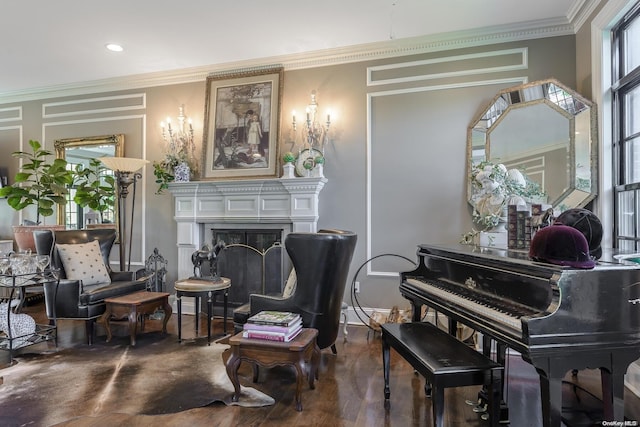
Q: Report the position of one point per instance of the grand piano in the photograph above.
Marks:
(559, 319)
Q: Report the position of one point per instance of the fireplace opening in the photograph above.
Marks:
(254, 260)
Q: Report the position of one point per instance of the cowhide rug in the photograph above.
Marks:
(157, 376)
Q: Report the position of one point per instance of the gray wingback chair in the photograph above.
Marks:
(71, 299)
(322, 262)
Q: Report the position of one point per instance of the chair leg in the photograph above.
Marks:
(344, 309)
(89, 330)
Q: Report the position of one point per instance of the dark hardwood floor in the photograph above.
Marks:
(349, 391)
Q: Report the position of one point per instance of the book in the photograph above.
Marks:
(273, 328)
(272, 336)
(275, 318)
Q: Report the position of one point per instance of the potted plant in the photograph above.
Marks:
(95, 188)
(39, 183)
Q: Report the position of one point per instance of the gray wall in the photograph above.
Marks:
(395, 165)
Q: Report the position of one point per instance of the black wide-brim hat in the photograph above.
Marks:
(588, 224)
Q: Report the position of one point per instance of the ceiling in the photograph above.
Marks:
(55, 43)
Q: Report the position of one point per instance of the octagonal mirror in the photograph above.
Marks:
(545, 130)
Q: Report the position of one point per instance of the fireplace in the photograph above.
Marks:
(283, 204)
(254, 260)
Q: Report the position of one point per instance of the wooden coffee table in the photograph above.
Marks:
(301, 352)
(133, 305)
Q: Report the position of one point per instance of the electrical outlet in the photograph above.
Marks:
(357, 287)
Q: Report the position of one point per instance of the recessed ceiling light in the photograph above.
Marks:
(114, 47)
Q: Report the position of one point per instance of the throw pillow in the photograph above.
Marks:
(83, 261)
(290, 286)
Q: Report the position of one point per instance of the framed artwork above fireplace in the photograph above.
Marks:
(242, 111)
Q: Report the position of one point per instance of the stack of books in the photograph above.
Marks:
(273, 326)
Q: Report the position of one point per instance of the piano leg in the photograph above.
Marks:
(453, 327)
(484, 394)
(551, 395)
(612, 395)
(416, 315)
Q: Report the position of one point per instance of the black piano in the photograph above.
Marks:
(559, 319)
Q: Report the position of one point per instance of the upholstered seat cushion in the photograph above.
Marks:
(94, 294)
(201, 285)
(242, 313)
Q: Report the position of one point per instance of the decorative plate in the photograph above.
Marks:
(306, 161)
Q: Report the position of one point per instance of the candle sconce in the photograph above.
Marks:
(315, 136)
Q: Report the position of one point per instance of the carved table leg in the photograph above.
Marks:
(167, 314)
(133, 325)
(299, 381)
(233, 363)
(105, 320)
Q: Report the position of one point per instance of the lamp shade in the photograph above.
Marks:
(123, 164)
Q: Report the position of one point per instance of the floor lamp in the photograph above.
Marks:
(126, 172)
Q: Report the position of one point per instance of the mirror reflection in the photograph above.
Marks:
(545, 130)
(82, 151)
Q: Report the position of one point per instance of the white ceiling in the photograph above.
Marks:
(48, 43)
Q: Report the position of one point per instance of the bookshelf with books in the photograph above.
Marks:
(273, 326)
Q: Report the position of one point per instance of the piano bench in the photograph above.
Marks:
(444, 361)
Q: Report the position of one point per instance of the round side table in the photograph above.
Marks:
(198, 288)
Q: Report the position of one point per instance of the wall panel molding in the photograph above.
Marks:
(106, 104)
(468, 65)
(11, 114)
(515, 80)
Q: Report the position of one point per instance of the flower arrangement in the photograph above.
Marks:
(179, 160)
(494, 187)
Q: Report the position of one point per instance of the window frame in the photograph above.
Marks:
(623, 83)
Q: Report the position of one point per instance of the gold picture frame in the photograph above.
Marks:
(83, 150)
(241, 124)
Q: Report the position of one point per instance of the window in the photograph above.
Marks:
(626, 130)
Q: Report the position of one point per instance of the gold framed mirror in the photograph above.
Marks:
(545, 130)
(80, 151)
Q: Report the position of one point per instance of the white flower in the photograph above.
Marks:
(517, 177)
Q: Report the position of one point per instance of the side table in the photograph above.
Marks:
(300, 352)
(198, 288)
(134, 305)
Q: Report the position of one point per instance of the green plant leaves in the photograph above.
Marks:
(39, 182)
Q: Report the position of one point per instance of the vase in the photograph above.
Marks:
(288, 170)
(23, 235)
(182, 172)
(318, 171)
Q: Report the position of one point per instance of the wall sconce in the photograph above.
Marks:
(180, 145)
(315, 137)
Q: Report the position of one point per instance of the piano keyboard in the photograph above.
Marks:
(489, 312)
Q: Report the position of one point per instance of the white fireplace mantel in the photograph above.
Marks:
(292, 201)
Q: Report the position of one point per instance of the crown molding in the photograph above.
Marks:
(364, 52)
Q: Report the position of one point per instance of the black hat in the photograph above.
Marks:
(562, 245)
(588, 224)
